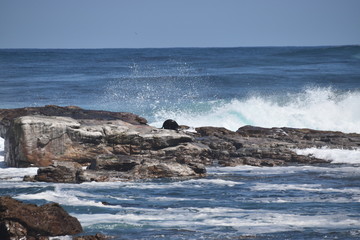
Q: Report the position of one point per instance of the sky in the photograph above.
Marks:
(182, 23)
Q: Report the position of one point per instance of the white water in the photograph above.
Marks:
(315, 108)
(333, 155)
(243, 220)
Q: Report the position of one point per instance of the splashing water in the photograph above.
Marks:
(316, 108)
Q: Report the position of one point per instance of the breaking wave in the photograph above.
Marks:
(315, 108)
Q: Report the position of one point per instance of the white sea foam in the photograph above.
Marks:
(282, 170)
(67, 197)
(333, 155)
(302, 187)
(316, 108)
(247, 221)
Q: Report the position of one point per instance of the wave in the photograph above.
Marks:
(333, 155)
(315, 108)
(200, 219)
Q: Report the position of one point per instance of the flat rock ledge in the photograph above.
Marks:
(73, 145)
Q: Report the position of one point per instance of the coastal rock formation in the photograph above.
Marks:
(110, 149)
(75, 145)
(258, 146)
(24, 221)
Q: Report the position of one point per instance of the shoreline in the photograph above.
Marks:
(74, 145)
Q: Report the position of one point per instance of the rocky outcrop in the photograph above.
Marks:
(26, 221)
(76, 145)
(304, 138)
(109, 148)
(40, 140)
(270, 146)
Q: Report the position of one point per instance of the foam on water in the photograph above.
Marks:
(316, 108)
(285, 170)
(302, 187)
(243, 220)
(333, 155)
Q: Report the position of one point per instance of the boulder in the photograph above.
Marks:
(170, 124)
(60, 172)
(98, 236)
(19, 220)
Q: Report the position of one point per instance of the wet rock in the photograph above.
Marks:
(170, 124)
(60, 172)
(261, 146)
(168, 170)
(19, 220)
(98, 236)
(122, 163)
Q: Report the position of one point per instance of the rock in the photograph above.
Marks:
(61, 172)
(119, 146)
(23, 221)
(122, 163)
(168, 170)
(304, 138)
(170, 124)
(40, 140)
(261, 146)
(98, 236)
(12, 230)
(74, 112)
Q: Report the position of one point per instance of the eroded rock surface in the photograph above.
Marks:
(19, 220)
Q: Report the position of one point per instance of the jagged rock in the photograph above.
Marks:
(24, 221)
(120, 146)
(304, 138)
(98, 236)
(168, 170)
(256, 146)
(122, 163)
(61, 172)
(39, 140)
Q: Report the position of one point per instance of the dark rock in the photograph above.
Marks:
(120, 163)
(60, 172)
(98, 236)
(12, 230)
(19, 220)
(170, 124)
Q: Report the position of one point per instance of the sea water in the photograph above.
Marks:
(305, 87)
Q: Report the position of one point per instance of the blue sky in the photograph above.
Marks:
(170, 23)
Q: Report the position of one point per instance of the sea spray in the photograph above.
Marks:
(315, 108)
(333, 155)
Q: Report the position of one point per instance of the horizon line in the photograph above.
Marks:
(104, 48)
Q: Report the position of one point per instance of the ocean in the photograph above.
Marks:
(302, 87)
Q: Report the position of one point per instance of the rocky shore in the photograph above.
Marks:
(73, 145)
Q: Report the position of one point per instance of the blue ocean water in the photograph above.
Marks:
(312, 87)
